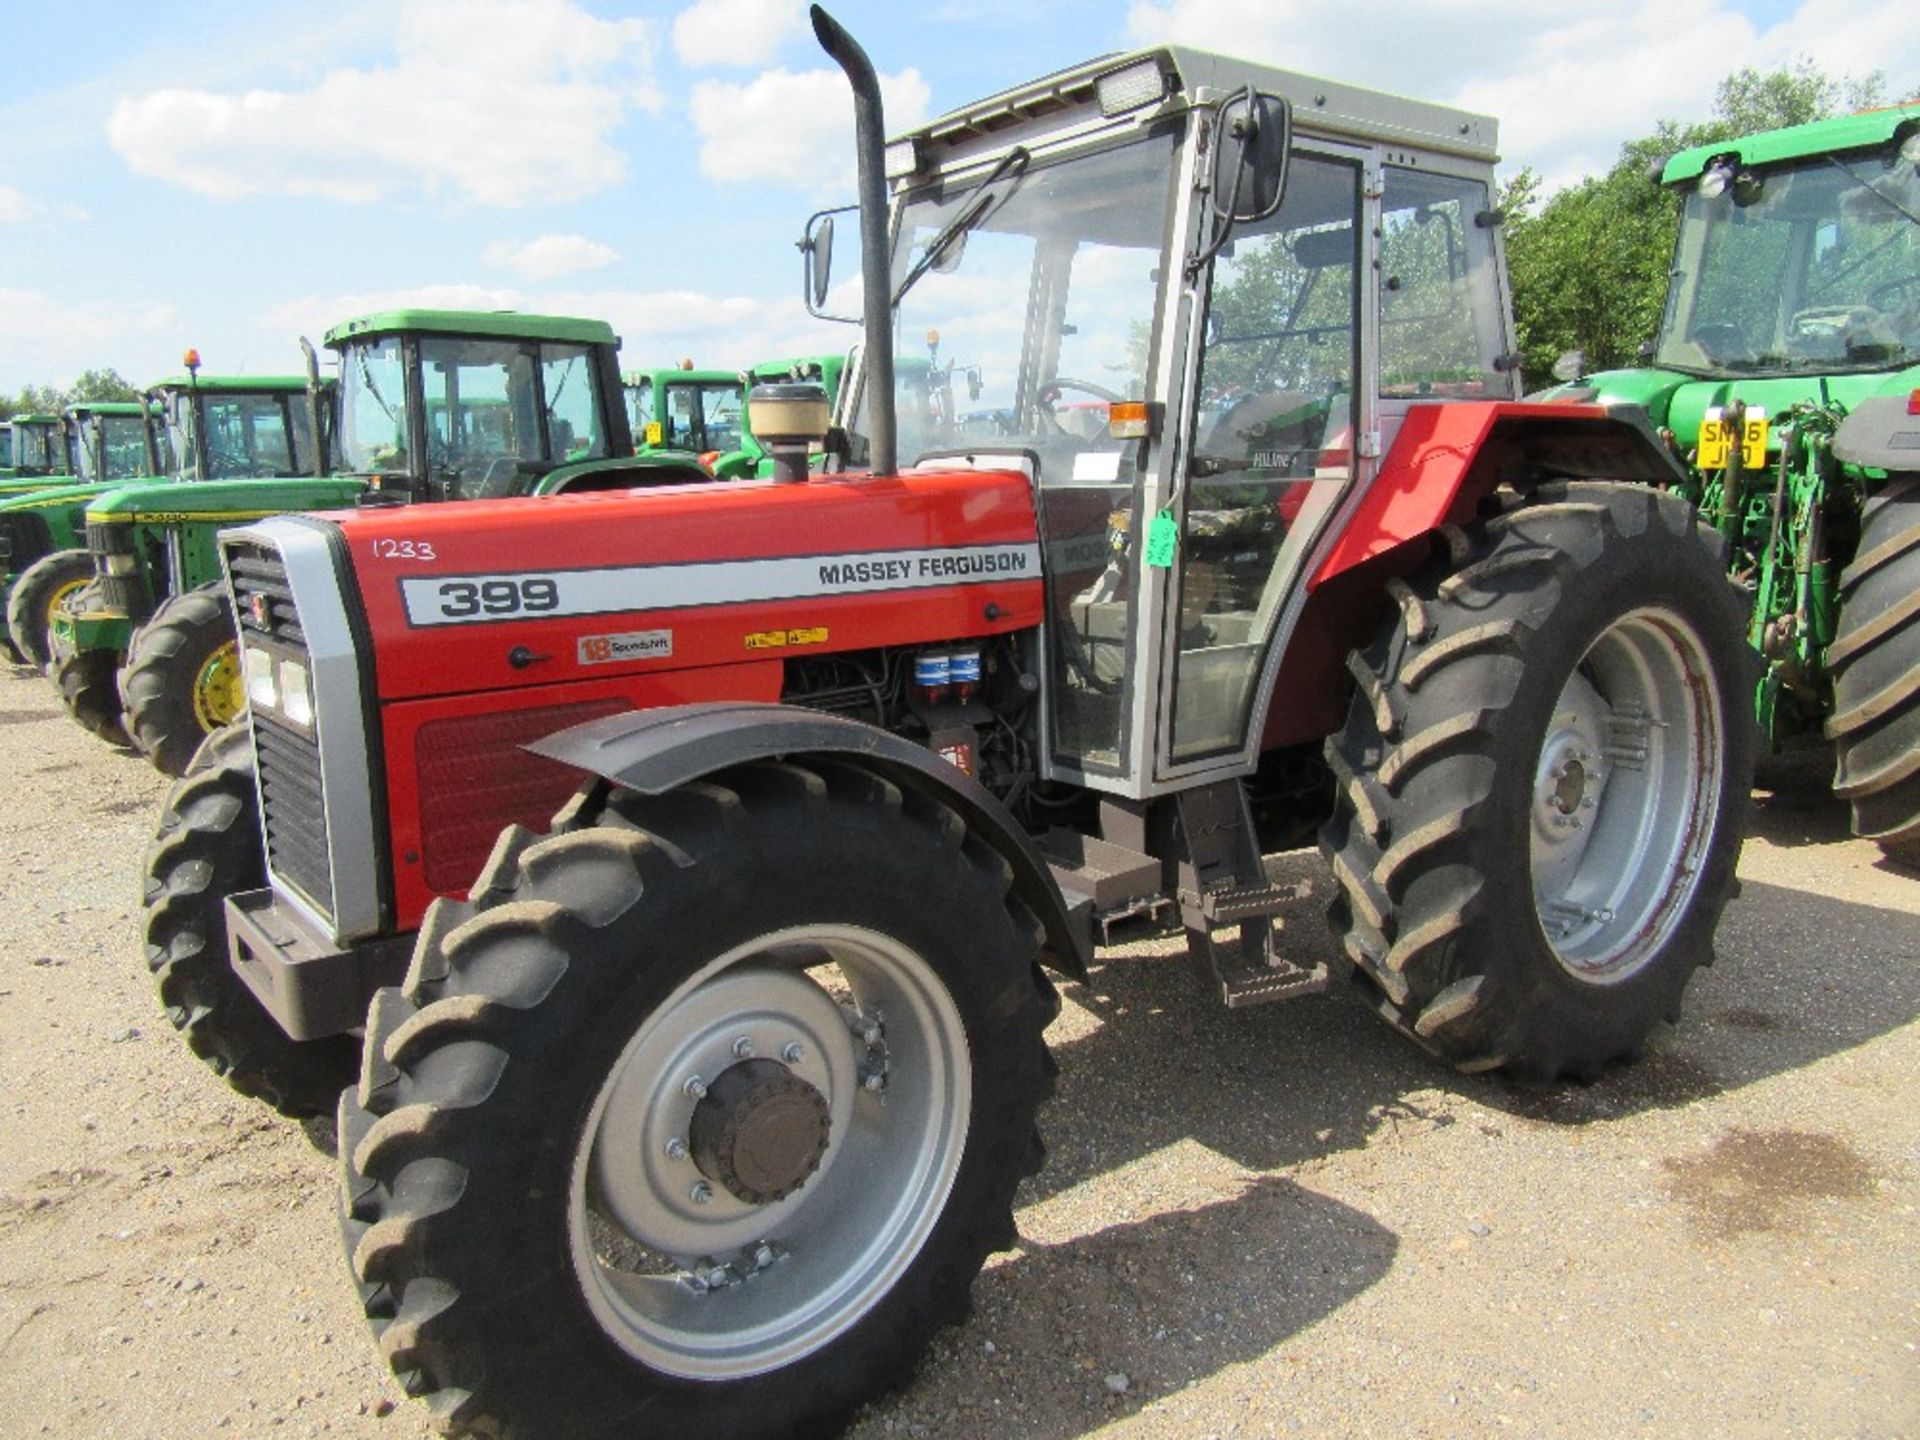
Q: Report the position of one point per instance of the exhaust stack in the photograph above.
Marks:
(870, 143)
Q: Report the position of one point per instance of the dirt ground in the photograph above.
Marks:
(1257, 1223)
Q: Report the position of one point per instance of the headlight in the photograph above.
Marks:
(260, 686)
(296, 698)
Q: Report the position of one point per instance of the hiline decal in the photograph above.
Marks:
(633, 645)
(516, 595)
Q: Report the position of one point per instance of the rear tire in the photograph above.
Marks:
(1875, 664)
(182, 681)
(532, 1251)
(208, 847)
(1531, 869)
(89, 686)
(41, 590)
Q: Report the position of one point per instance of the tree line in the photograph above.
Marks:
(1588, 263)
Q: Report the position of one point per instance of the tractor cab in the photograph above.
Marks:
(38, 448)
(241, 427)
(1194, 299)
(111, 441)
(450, 405)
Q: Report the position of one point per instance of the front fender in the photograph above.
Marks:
(654, 751)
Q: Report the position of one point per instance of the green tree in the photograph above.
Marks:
(102, 385)
(1589, 265)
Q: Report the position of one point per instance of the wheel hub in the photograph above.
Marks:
(760, 1131)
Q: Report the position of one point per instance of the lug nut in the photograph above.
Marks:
(875, 1081)
(695, 1088)
(793, 1054)
(763, 1257)
(742, 1048)
(676, 1148)
(717, 1277)
(701, 1193)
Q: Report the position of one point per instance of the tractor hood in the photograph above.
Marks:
(1677, 402)
(48, 497)
(162, 501)
(504, 594)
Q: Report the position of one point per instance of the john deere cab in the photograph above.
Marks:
(38, 449)
(1787, 376)
(706, 1104)
(104, 443)
(693, 412)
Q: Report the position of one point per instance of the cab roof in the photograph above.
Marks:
(242, 384)
(1327, 107)
(107, 407)
(1819, 137)
(485, 324)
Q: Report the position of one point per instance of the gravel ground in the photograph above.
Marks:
(1255, 1223)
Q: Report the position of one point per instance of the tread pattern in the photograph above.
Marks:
(163, 666)
(1419, 768)
(498, 980)
(88, 684)
(207, 847)
(1875, 664)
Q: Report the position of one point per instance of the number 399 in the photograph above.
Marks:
(461, 598)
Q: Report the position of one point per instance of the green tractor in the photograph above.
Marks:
(430, 406)
(706, 413)
(101, 444)
(37, 448)
(1787, 376)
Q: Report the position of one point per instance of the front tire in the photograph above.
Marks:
(208, 847)
(89, 686)
(1875, 663)
(182, 681)
(38, 595)
(706, 1109)
(1543, 779)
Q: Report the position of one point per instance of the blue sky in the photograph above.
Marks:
(234, 173)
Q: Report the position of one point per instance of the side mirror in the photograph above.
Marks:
(816, 253)
(1570, 366)
(1250, 157)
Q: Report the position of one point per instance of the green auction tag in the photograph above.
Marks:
(1163, 538)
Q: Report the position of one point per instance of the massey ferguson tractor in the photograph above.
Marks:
(695, 1107)
(1787, 377)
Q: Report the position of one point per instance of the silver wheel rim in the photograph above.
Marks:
(709, 1286)
(1624, 796)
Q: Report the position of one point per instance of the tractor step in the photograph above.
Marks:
(1231, 905)
(1279, 979)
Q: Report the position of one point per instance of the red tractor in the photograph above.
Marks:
(705, 1103)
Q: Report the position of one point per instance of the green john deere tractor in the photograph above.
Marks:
(430, 406)
(705, 413)
(1787, 376)
(100, 444)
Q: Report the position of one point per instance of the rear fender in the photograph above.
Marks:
(1448, 458)
(654, 751)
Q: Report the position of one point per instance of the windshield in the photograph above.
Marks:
(34, 446)
(6, 447)
(112, 447)
(1806, 267)
(247, 435)
(1032, 321)
(374, 434)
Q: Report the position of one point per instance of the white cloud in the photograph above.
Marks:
(49, 339)
(735, 32)
(1568, 84)
(16, 208)
(489, 102)
(794, 130)
(549, 255)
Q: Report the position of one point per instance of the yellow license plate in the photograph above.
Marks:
(1717, 437)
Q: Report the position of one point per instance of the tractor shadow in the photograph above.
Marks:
(1157, 1061)
(1793, 799)
(1083, 1333)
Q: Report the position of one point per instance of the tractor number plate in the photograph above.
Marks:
(1717, 437)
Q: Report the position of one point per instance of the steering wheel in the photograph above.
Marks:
(227, 464)
(1888, 294)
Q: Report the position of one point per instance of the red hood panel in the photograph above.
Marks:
(494, 595)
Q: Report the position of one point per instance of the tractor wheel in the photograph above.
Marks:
(1542, 783)
(706, 1109)
(89, 686)
(182, 680)
(1875, 662)
(209, 846)
(42, 589)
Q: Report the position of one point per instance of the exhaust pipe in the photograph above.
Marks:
(870, 143)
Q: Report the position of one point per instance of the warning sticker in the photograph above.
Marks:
(780, 639)
(633, 645)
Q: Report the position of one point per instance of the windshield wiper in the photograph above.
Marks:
(975, 208)
(1868, 185)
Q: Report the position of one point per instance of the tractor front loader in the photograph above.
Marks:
(704, 1098)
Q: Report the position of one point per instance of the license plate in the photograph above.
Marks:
(1717, 438)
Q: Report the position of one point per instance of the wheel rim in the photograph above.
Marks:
(217, 694)
(1624, 795)
(65, 591)
(715, 1286)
